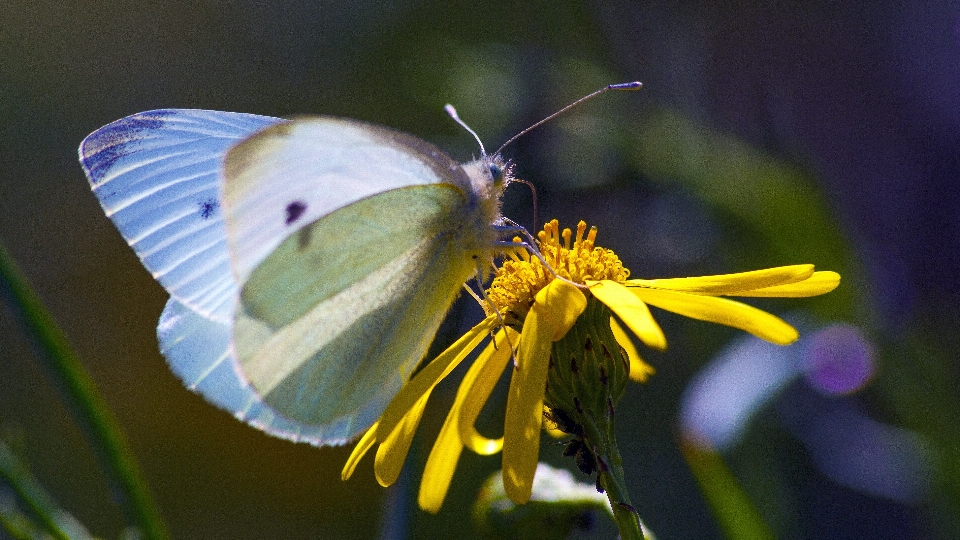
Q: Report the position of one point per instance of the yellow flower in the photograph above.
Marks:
(532, 307)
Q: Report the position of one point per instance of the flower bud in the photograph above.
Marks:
(588, 373)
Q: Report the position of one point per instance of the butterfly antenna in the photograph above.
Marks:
(453, 114)
(629, 86)
(533, 193)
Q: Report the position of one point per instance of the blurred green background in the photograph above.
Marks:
(767, 133)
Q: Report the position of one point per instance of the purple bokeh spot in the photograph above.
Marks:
(838, 360)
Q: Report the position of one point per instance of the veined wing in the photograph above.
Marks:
(331, 324)
(293, 174)
(157, 176)
(198, 351)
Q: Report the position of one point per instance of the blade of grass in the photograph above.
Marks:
(80, 392)
(734, 511)
(17, 525)
(57, 522)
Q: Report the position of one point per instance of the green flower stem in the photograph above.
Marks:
(588, 375)
(610, 470)
(89, 407)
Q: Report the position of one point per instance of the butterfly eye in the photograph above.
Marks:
(496, 172)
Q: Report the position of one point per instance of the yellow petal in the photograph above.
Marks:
(443, 458)
(363, 445)
(724, 284)
(521, 429)
(566, 303)
(819, 283)
(442, 462)
(640, 371)
(393, 449)
(479, 382)
(428, 377)
(722, 311)
(631, 310)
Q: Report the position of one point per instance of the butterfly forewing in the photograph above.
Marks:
(157, 175)
(291, 175)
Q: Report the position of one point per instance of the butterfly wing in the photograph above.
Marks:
(157, 176)
(295, 173)
(198, 351)
(350, 242)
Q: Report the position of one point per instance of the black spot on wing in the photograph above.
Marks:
(209, 208)
(105, 146)
(295, 210)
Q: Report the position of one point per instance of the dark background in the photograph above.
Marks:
(767, 133)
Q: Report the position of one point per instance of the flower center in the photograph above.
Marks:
(521, 276)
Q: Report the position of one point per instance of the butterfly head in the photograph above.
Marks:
(489, 175)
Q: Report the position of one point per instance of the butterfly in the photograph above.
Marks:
(309, 262)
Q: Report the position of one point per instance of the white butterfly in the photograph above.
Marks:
(309, 262)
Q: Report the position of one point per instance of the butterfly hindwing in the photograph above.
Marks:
(332, 343)
(198, 351)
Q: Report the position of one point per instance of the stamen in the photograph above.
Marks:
(592, 235)
(582, 226)
(526, 271)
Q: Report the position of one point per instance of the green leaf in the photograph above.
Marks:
(558, 505)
